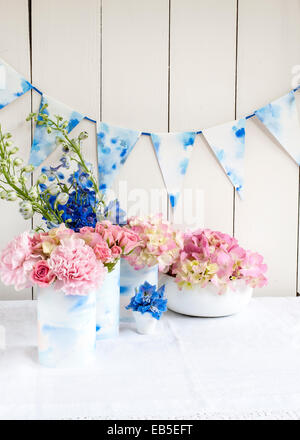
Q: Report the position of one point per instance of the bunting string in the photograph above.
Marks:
(173, 150)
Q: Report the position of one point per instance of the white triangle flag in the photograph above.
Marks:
(280, 117)
(43, 142)
(12, 84)
(228, 143)
(114, 146)
(173, 151)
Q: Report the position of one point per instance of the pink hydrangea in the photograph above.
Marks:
(17, 261)
(212, 256)
(159, 243)
(76, 267)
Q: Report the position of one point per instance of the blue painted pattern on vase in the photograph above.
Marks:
(108, 305)
(66, 328)
(129, 281)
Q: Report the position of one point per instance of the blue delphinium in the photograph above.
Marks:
(149, 300)
(76, 200)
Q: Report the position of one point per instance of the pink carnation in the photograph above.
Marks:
(76, 267)
(41, 274)
(17, 261)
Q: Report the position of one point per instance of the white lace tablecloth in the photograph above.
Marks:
(240, 367)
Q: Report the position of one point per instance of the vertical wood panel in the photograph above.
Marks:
(135, 88)
(14, 49)
(269, 46)
(66, 39)
(66, 60)
(202, 95)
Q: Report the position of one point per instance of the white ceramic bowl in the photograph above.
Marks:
(206, 301)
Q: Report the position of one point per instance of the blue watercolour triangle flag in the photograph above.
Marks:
(44, 143)
(12, 84)
(114, 146)
(280, 117)
(227, 141)
(173, 152)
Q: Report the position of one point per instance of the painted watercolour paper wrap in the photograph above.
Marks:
(114, 146)
(281, 119)
(227, 141)
(66, 328)
(132, 279)
(44, 143)
(173, 152)
(12, 84)
(108, 305)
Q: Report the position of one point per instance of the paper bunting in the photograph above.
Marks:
(228, 143)
(43, 142)
(12, 84)
(114, 146)
(281, 119)
(173, 151)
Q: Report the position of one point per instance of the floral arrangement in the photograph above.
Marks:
(149, 300)
(160, 243)
(74, 200)
(213, 257)
(76, 262)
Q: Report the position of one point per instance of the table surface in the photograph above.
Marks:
(238, 367)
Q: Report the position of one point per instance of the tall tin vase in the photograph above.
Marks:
(130, 280)
(108, 305)
(66, 328)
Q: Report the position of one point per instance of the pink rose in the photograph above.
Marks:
(103, 252)
(41, 274)
(116, 251)
(129, 240)
(87, 229)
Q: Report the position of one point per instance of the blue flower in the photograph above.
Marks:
(65, 162)
(149, 300)
(81, 179)
(53, 172)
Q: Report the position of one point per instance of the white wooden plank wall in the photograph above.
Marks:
(159, 65)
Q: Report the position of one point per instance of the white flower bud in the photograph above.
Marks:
(53, 189)
(83, 135)
(3, 195)
(18, 162)
(33, 192)
(28, 169)
(42, 178)
(15, 180)
(62, 198)
(26, 209)
(12, 196)
(14, 150)
(23, 180)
